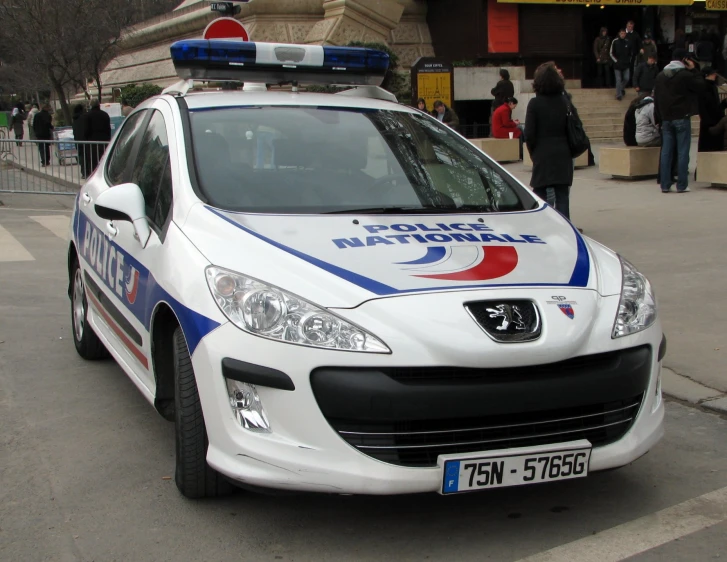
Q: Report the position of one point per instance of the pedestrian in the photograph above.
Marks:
(724, 50)
(645, 75)
(602, 50)
(502, 90)
(547, 140)
(446, 115)
(97, 127)
(711, 112)
(17, 121)
(648, 49)
(503, 125)
(647, 131)
(126, 109)
(43, 126)
(79, 132)
(422, 105)
(634, 41)
(621, 57)
(676, 95)
(31, 115)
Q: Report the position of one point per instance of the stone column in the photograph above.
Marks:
(356, 20)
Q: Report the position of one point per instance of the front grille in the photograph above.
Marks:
(449, 375)
(419, 443)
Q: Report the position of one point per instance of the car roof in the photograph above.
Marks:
(204, 100)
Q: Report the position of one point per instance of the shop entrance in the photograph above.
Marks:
(613, 18)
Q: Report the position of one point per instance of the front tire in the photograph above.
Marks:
(88, 345)
(193, 476)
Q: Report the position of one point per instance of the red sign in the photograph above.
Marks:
(502, 28)
(226, 28)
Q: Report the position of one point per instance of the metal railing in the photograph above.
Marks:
(474, 130)
(46, 166)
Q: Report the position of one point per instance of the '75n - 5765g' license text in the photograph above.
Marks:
(515, 467)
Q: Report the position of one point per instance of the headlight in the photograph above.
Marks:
(272, 313)
(637, 309)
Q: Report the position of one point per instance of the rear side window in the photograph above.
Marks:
(119, 158)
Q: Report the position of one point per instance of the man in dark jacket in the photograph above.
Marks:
(79, 114)
(96, 127)
(43, 127)
(676, 95)
(621, 57)
(502, 90)
(635, 44)
(602, 50)
(446, 115)
(645, 75)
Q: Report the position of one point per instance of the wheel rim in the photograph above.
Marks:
(79, 306)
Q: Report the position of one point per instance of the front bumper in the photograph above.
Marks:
(304, 452)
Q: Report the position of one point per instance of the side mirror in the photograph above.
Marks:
(125, 202)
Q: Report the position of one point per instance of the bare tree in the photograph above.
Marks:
(68, 41)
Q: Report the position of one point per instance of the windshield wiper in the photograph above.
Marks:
(470, 209)
(390, 210)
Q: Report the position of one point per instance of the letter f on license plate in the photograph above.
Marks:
(514, 467)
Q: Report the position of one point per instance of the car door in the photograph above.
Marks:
(103, 261)
(130, 280)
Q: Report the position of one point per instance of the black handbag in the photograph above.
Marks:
(577, 137)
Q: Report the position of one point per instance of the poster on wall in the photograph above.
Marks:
(502, 28)
(432, 79)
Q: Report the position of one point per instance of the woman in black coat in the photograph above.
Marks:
(547, 140)
(710, 113)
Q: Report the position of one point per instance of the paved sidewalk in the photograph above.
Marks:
(678, 241)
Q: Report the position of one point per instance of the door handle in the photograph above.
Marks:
(111, 229)
(86, 198)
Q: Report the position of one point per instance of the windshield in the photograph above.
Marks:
(333, 160)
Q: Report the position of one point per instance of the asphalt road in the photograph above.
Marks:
(85, 467)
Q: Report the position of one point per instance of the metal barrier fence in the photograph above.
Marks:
(475, 130)
(54, 166)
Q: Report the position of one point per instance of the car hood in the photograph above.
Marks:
(344, 260)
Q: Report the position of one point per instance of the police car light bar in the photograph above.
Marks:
(278, 63)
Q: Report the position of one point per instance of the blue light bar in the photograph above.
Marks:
(276, 63)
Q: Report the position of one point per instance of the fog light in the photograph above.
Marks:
(247, 407)
(657, 397)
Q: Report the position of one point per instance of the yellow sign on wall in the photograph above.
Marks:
(611, 2)
(717, 5)
(433, 86)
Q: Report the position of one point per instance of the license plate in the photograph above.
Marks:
(515, 467)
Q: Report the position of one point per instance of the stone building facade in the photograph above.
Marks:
(401, 24)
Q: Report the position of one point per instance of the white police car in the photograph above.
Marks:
(336, 293)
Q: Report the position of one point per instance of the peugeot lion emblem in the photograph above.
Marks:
(508, 321)
(510, 314)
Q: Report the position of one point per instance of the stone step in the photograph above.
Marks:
(600, 93)
(604, 131)
(601, 111)
(603, 120)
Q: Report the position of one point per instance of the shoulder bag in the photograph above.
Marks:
(577, 137)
